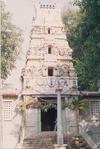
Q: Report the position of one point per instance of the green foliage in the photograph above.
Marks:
(10, 42)
(84, 38)
(77, 104)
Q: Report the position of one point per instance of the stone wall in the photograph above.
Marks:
(11, 123)
(33, 122)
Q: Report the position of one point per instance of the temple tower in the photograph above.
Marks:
(48, 63)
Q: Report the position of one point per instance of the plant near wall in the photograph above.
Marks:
(29, 102)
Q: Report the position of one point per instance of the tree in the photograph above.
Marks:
(84, 38)
(11, 38)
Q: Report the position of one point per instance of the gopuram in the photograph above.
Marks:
(48, 67)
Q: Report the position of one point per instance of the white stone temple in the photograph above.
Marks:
(49, 57)
(48, 66)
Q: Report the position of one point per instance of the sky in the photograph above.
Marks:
(22, 13)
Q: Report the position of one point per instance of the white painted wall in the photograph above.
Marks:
(11, 127)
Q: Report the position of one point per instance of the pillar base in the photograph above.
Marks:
(63, 146)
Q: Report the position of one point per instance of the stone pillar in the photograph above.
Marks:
(59, 118)
(59, 144)
(1, 116)
(32, 122)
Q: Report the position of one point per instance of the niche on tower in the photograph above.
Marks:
(49, 49)
(49, 30)
(50, 71)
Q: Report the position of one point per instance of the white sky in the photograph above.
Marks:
(22, 13)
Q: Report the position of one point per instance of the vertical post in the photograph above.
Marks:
(1, 115)
(59, 118)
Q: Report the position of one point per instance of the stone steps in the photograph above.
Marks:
(46, 140)
(43, 140)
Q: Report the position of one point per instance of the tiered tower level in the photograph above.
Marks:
(49, 58)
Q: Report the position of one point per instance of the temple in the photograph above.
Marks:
(32, 111)
(49, 66)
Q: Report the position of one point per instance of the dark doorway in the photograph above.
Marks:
(48, 119)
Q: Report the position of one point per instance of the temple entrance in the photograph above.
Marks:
(48, 119)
